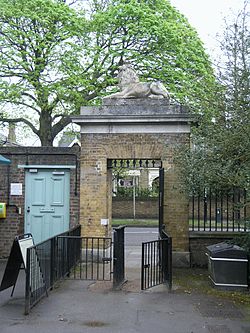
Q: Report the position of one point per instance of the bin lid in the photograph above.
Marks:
(225, 250)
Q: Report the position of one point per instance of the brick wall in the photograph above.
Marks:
(122, 208)
(198, 242)
(96, 193)
(14, 222)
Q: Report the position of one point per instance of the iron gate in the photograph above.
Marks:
(156, 265)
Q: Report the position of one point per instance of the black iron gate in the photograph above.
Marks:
(156, 265)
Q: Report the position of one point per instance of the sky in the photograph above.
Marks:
(207, 17)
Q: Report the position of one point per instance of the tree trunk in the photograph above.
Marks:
(45, 131)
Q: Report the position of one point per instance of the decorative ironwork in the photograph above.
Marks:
(134, 163)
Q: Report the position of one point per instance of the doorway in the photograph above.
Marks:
(47, 195)
(135, 191)
(145, 250)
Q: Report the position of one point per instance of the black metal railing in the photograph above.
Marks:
(86, 258)
(157, 262)
(219, 211)
(44, 267)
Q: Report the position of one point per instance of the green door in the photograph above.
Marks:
(47, 193)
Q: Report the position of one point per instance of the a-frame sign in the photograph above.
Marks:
(16, 261)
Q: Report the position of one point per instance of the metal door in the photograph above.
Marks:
(46, 202)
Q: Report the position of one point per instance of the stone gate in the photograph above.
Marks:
(132, 128)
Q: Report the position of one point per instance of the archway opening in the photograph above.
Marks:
(135, 192)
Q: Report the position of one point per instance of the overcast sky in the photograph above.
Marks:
(207, 16)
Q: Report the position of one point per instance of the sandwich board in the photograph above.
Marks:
(16, 261)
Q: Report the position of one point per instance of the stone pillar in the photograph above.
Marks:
(176, 217)
(95, 190)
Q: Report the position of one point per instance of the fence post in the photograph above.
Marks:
(27, 284)
(170, 275)
(52, 262)
(118, 255)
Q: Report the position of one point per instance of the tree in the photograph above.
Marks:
(220, 157)
(158, 41)
(55, 58)
(34, 43)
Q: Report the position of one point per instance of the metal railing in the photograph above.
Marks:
(86, 258)
(157, 262)
(44, 267)
(219, 211)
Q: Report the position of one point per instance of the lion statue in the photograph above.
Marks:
(131, 87)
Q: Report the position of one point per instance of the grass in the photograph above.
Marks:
(155, 223)
(195, 280)
(136, 222)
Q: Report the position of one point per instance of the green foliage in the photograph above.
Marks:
(55, 58)
(162, 45)
(220, 155)
(242, 241)
(34, 38)
(127, 192)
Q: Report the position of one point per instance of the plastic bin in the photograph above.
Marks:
(227, 266)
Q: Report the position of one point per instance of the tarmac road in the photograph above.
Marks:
(135, 236)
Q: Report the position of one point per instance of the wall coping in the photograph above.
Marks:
(213, 234)
(47, 166)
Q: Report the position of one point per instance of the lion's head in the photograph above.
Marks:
(126, 76)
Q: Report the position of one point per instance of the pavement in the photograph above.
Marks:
(93, 307)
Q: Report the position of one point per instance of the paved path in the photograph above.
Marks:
(85, 307)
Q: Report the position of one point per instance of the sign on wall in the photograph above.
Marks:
(16, 189)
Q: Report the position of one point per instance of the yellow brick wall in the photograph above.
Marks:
(96, 180)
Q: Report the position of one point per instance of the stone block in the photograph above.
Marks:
(181, 259)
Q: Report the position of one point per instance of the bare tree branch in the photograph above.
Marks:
(59, 126)
(19, 120)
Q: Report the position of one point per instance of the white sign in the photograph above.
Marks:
(104, 221)
(16, 189)
(24, 244)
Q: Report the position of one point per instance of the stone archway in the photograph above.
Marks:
(140, 128)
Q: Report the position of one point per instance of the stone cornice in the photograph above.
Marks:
(134, 116)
